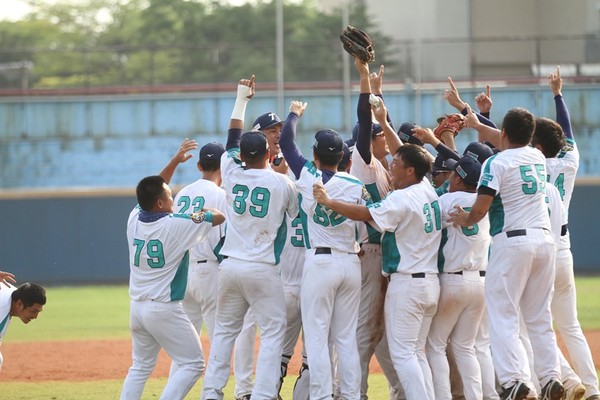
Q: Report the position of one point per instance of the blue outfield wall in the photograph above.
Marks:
(62, 239)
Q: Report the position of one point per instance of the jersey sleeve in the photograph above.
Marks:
(446, 205)
(490, 175)
(387, 212)
(292, 194)
(230, 161)
(188, 229)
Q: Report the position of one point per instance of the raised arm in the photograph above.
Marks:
(426, 135)
(363, 110)
(562, 112)
(287, 140)
(180, 157)
(453, 98)
(484, 132)
(484, 102)
(245, 91)
(391, 137)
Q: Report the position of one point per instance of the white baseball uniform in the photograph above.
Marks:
(370, 334)
(200, 301)
(462, 262)
(257, 202)
(411, 219)
(159, 246)
(520, 273)
(330, 292)
(562, 171)
(5, 304)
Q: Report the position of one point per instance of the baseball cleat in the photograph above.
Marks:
(575, 393)
(518, 391)
(553, 390)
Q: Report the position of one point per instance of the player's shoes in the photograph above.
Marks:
(518, 391)
(593, 397)
(244, 397)
(575, 393)
(553, 390)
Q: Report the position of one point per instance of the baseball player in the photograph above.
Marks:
(371, 147)
(521, 267)
(24, 302)
(200, 301)
(410, 218)
(562, 163)
(462, 263)
(258, 200)
(330, 289)
(159, 243)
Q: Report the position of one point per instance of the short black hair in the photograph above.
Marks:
(30, 294)
(328, 159)
(209, 165)
(518, 124)
(417, 157)
(549, 136)
(149, 190)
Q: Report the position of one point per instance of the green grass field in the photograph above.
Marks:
(102, 312)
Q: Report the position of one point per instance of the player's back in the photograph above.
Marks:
(193, 198)
(519, 177)
(325, 227)
(158, 253)
(462, 248)
(257, 202)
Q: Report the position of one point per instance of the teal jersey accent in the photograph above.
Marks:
(443, 189)
(568, 147)
(389, 253)
(374, 235)
(485, 176)
(217, 249)
(312, 168)
(441, 259)
(303, 218)
(349, 179)
(208, 216)
(496, 215)
(4, 321)
(179, 283)
(234, 153)
(280, 240)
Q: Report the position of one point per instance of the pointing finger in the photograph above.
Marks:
(487, 90)
(452, 86)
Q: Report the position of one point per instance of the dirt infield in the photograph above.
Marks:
(110, 359)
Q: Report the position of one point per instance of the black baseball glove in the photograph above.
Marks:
(358, 44)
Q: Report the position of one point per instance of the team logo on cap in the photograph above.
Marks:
(472, 155)
(404, 136)
(461, 172)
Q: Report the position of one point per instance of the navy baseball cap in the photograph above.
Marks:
(345, 158)
(253, 144)
(376, 129)
(467, 168)
(478, 151)
(265, 121)
(328, 141)
(212, 151)
(440, 164)
(406, 134)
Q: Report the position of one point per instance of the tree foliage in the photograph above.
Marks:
(148, 42)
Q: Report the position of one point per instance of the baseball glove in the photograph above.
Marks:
(358, 44)
(451, 122)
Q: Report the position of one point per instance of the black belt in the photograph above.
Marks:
(202, 262)
(418, 275)
(481, 273)
(517, 232)
(322, 250)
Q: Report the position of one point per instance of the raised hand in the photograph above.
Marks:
(246, 88)
(452, 97)
(555, 81)
(182, 154)
(426, 135)
(484, 101)
(320, 193)
(376, 80)
(298, 107)
(6, 277)
(471, 120)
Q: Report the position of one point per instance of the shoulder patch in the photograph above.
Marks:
(487, 177)
(366, 196)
